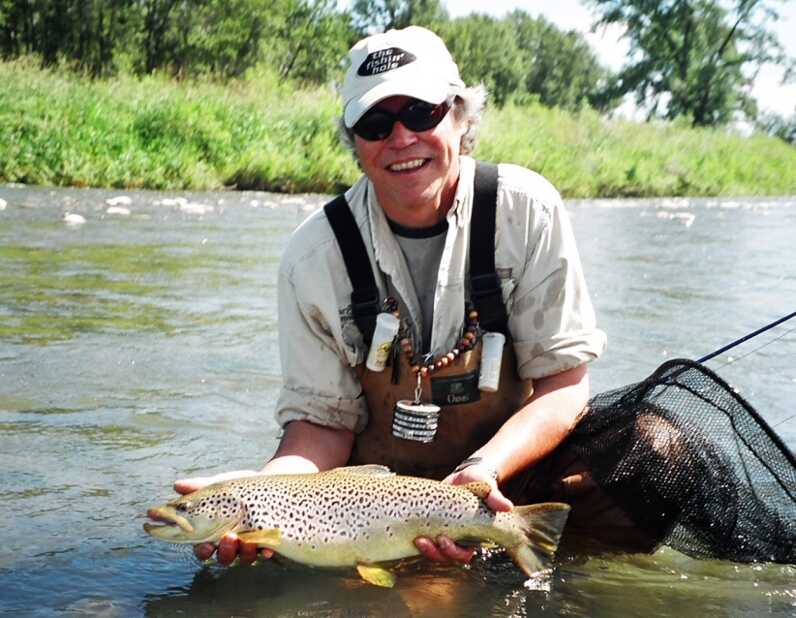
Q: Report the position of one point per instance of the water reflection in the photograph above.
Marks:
(273, 590)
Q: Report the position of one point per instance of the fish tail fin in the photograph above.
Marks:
(542, 525)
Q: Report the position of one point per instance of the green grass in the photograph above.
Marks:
(259, 133)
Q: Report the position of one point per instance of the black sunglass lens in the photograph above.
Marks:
(374, 125)
(418, 116)
(422, 116)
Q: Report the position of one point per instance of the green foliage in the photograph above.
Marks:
(558, 67)
(486, 51)
(265, 133)
(301, 40)
(369, 16)
(778, 126)
(692, 57)
(85, 33)
(311, 41)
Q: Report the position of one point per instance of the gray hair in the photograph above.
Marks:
(468, 105)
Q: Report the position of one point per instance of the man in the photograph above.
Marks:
(411, 122)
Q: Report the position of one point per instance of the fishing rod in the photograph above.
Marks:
(749, 336)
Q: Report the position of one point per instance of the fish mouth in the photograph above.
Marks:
(167, 517)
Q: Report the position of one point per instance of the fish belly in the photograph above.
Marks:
(383, 542)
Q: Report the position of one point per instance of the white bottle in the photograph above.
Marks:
(491, 359)
(386, 328)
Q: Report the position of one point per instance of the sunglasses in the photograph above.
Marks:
(416, 116)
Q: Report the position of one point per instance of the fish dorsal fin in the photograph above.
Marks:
(479, 488)
(376, 575)
(269, 537)
(367, 469)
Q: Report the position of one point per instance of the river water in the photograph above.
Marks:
(138, 344)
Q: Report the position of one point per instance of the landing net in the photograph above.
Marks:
(692, 463)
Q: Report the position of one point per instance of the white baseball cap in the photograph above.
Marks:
(412, 62)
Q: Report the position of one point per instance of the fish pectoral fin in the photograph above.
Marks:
(367, 469)
(376, 575)
(479, 488)
(269, 537)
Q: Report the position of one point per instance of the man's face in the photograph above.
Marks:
(414, 173)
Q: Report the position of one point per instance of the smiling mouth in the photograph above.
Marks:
(407, 166)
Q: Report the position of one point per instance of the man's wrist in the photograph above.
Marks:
(479, 461)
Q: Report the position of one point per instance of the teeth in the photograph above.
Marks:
(407, 165)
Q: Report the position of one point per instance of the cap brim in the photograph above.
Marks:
(426, 90)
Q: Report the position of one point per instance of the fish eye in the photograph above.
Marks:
(183, 506)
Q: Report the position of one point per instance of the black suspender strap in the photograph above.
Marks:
(365, 303)
(485, 291)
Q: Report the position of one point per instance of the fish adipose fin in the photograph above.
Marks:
(367, 469)
(542, 525)
(376, 575)
(263, 538)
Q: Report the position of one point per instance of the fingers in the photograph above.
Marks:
(247, 553)
(186, 486)
(498, 502)
(444, 550)
(429, 550)
(229, 548)
(204, 551)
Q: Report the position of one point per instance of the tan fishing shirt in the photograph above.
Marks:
(551, 318)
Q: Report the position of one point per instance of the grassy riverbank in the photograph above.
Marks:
(58, 129)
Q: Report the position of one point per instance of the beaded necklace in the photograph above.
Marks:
(425, 364)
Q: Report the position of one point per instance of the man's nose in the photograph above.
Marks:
(401, 137)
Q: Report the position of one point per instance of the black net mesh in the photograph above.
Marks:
(692, 463)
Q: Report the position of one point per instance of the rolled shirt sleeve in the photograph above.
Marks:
(320, 385)
(551, 317)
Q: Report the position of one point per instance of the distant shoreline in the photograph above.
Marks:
(57, 129)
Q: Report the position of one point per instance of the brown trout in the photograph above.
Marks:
(357, 516)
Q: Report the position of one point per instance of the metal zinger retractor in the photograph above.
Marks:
(415, 420)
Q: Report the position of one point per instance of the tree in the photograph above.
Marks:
(559, 67)
(693, 57)
(369, 16)
(84, 33)
(486, 51)
(778, 126)
(311, 41)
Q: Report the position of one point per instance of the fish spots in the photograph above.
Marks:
(344, 510)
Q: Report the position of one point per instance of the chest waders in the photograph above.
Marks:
(468, 417)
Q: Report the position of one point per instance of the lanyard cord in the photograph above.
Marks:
(747, 337)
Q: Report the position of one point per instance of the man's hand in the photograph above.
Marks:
(443, 549)
(229, 546)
